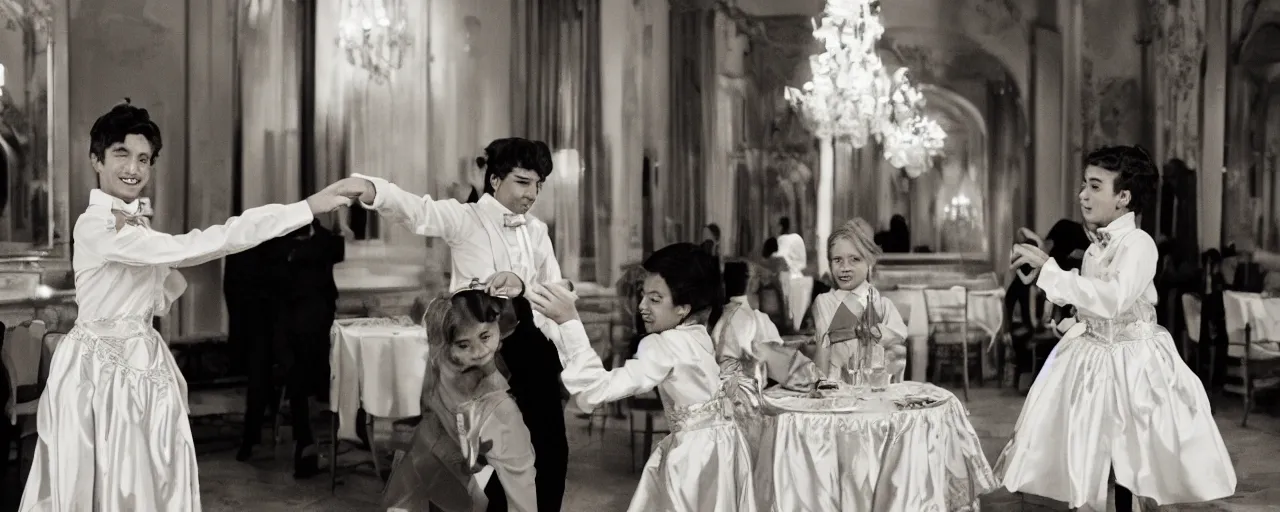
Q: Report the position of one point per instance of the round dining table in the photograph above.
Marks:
(907, 448)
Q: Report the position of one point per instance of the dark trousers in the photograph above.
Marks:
(534, 367)
(1124, 499)
(267, 345)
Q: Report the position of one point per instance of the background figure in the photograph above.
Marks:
(286, 327)
(897, 238)
(1066, 243)
(711, 240)
(772, 300)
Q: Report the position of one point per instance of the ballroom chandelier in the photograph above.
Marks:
(911, 139)
(852, 95)
(375, 36)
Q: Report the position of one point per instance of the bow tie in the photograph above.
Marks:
(512, 220)
(133, 219)
(1101, 238)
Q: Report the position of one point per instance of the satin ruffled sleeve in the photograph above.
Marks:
(733, 336)
(1109, 290)
(174, 286)
(591, 385)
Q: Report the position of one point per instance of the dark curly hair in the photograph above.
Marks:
(737, 278)
(122, 121)
(504, 155)
(1137, 173)
(694, 279)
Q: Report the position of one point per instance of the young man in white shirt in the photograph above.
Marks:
(494, 234)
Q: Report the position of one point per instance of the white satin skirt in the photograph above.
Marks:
(1129, 404)
(703, 466)
(113, 428)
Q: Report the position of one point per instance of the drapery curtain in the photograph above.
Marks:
(267, 45)
(681, 183)
(555, 97)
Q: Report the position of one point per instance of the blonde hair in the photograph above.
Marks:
(861, 235)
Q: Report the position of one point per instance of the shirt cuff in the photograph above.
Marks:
(1051, 279)
(379, 191)
(571, 341)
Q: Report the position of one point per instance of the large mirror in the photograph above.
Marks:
(28, 224)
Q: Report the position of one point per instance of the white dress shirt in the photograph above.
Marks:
(484, 237)
(127, 271)
(1118, 270)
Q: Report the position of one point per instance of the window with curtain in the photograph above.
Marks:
(556, 98)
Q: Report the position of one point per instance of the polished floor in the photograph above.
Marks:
(600, 479)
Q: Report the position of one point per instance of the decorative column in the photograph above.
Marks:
(1213, 112)
(826, 196)
(1180, 46)
(1071, 18)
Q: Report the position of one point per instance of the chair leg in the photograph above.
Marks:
(333, 452)
(964, 371)
(631, 434)
(1248, 402)
(275, 420)
(648, 434)
(373, 450)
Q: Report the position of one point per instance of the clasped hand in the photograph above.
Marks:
(341, 193)
(554, 301)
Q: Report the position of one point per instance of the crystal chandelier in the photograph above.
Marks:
(910, 139)
(852, 95)
(375, 35)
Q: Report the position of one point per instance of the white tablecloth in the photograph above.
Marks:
(1263, 314)
(378, 364)
(986, 312)
(907, 449)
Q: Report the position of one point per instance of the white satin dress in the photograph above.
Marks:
(705, 464)
(112, 422)
(1115, 393)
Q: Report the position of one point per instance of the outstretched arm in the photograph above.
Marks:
(584, 374)
(591, 385)
(421, 214)
(99, 232)
(1116, 288)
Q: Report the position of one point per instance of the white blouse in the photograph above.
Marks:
(484, 237)
(128, 271)
(680, 362)
(1119, 268)
(826, 305)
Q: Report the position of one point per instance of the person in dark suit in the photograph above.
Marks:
(293, 336)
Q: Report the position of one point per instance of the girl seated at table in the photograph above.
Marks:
(854, 309)
(468, 418)
(705, 464)
(1115, 398)
(744, 337)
